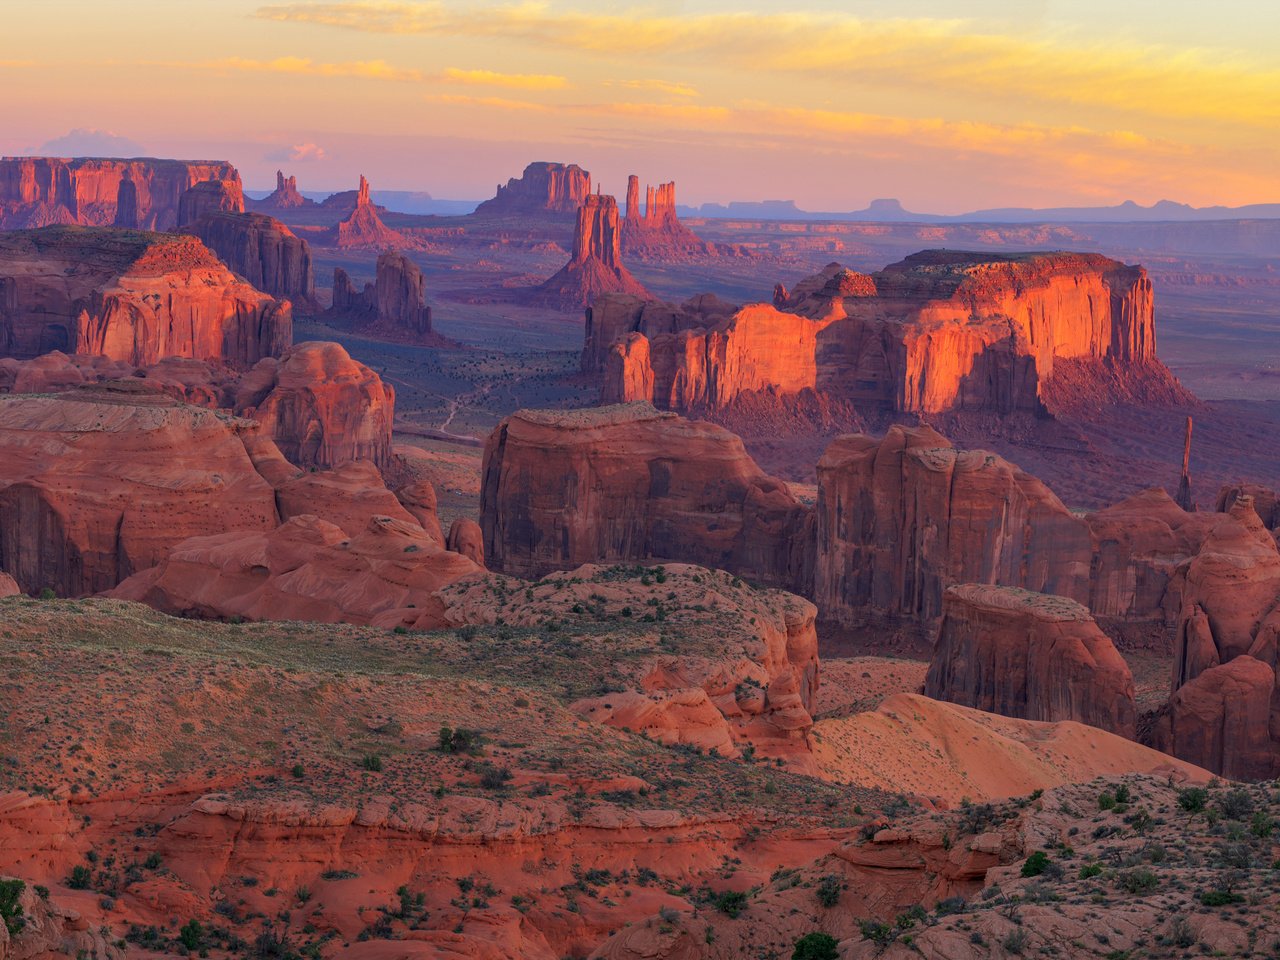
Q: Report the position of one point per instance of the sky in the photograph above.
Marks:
(946, 106)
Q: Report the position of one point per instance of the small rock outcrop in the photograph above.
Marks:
(466, 538)
(284, 197)
(596, 264)
(131, 296)
(1030, 655)
(394, 305)
(629, 483)
(142, 194)
(320, 406)
(657, 233)
(543, 188)
(902, 518)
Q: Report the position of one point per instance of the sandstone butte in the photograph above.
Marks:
(1227, 651)
(394, 305)
(316, 403)
(595, 266)
(136, 194)
(1031, 655)
(257, 247)
(543, 188)
(131, 296)
(284, 197)
(363, 229)
(930, 334)
(626, 483)
(657, 233)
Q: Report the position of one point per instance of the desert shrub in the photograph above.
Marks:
(372, 762)
(877, 932)
(731, 902)
(1219, 898)
(494, 778)
(1236, 804)
(80, 878)
(816, 946)
(1138, 880)
(1035, 864)
(10, 909)
(1016, 941)
(828, 891)
(191, 935)
(1193, 799)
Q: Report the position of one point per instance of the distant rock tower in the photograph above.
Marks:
(596, 264)
(657, 233)
(1184, 484)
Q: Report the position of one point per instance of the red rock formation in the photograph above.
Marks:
(100, 484)
(466, 538)
(614, 316)
(284, 197)
(543, 188)
(419, 499)
(263, 251)
(1221, 718)
(207, 197)
(394, 305)
(1138, 546)
(629, 483)
(349, 496)
(307, 569)
(130, 296)
(363, 229)
(139, 194)
(933, 334)
(658, 234)
(596, 264)
(1030, 655)
(8, 586)
(1266, 502)
(901, 519)
(321, 407)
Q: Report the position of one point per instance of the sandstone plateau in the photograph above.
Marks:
(543, 188)
(131, 296)
(1020, 654)
(595, 266)
(939, 331)
(136, 194)
(632, 483)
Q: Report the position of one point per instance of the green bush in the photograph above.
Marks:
(1035, 864)
(191, 935)
(80, 878)
(828, 891)
(1219, 898)
(372, 762)
(1139, 880)
(731, 902)
(877, 932)
(816, 946)
(10, 909)
(1193, 799)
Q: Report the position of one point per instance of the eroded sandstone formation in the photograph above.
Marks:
(939, 331)
(629, 483)
(902, 518)
(209, 197)
(138, 194)
(284, 197)
(543, 188)
(321, 407)
(131, 296)
(263, 251)
(595, 266)
(395, 304)
(657, 233)
(102, 483)
(363, 229)
(1030, 655)
(614, 316)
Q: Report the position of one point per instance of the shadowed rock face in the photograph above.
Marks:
(629, 483)
(210, 196)
(137, 194)
(262, 250)
(395, 303)
(131, 296)
(657, 233)
(940, 331)
(901, 519)
(1020, 654)
(596, 264)
(542, 188)
(102, 483)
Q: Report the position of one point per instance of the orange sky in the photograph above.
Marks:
(948, 107)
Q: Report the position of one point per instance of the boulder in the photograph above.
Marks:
(466, 538)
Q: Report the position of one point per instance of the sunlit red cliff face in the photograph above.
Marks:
(595, 266)
(137, 194)
(938, 332)
(131, 296)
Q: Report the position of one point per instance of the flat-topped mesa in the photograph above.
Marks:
(595, 266)
(101, 483)
(941, 331)
(1030, 655)
(257, 247)
(395, 303)
(562, 488)
(657, 234)
(363, 229)
(902, 518)
(543, 188)
(284, 197)
(131, 296)
(135, 194)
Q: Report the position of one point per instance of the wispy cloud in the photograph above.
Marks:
(513, 81)
(366, 69)
(495, 103)
(298, 153)
(658, 86)
(922, 52)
